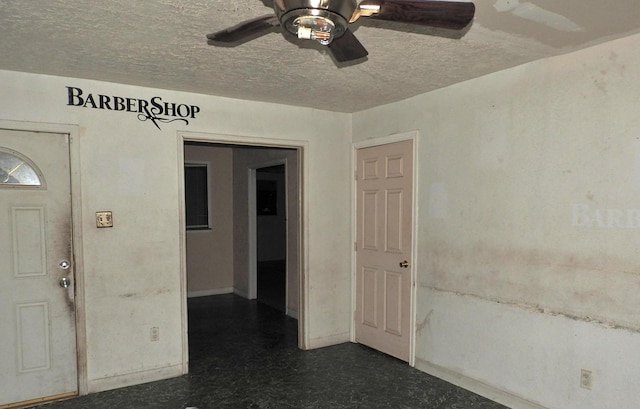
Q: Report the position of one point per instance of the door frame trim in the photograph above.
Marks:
(253, 227)
(73, 133)
(302, 148)
(413, 136)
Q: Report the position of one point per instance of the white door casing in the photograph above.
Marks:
(253, 223)
(37, 319)
(384, 227)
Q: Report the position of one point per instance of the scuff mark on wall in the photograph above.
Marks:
(145, 293)
(425, 322)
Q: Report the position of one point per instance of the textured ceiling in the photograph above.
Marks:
(162, 44)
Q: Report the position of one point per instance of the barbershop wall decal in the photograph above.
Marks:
(154, 110)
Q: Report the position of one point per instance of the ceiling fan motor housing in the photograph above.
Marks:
(322, 20)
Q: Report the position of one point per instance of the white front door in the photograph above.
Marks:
(383, 254)
(37, 311)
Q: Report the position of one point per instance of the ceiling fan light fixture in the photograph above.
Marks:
(320, 20)
(310, 24)
(317, 28)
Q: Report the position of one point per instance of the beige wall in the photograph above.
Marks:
(528, 195)
(210, 252)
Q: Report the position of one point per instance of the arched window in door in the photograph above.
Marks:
(17, 170)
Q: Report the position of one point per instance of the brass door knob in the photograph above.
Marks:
(404, 264)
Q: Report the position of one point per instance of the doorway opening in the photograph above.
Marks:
(271, 236)
(250, 243)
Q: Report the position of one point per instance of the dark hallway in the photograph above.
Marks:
(244, 354)
(271, 209)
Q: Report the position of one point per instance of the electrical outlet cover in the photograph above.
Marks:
(104, 219)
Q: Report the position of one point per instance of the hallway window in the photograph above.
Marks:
(196, 182)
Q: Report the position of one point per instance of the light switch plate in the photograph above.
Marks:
(104, 219)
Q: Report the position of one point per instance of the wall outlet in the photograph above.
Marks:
(104, 219)
(586, 378)
(155, 334)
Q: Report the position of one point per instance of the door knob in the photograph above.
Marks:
(404, 264)
(65, 282)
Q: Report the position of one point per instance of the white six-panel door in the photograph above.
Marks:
(384, 233)
(37, 312)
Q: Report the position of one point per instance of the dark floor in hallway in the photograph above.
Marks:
(272, 283)
(244, 354)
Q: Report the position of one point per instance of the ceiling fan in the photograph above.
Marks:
(327, 21)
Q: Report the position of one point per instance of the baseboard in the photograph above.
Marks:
(241, 293)
(482, 389)
(134, 378)
(206, 293)
(328, 341)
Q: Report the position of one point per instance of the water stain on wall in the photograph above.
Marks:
(599, 288)
(539, 309)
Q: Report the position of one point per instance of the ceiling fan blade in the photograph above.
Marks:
(245, 31)
(434, 13)
(347, 48)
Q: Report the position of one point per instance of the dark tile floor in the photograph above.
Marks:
(244, 355)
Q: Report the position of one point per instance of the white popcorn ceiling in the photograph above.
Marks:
(162, 44)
